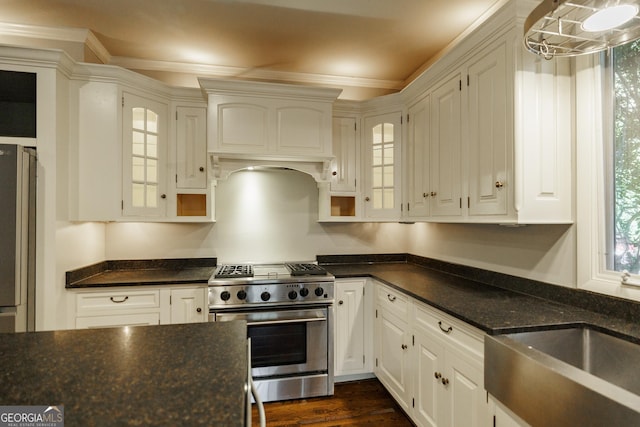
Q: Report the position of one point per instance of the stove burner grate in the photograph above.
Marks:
(306, 269)
(233, 271)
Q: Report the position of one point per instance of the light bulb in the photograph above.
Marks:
(609, 18)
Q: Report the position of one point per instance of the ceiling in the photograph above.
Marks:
(366, 47)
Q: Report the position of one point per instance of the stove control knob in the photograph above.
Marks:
(241, 295)
(319, 292)
(225, 295)
(304, 292)
(265, 296)
(293, 295)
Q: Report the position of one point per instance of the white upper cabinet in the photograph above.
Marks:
(129, 159)
(382, 141)
(95, 155)
(267, 120)
(446, 127)
(417, 158)
(191, 147)
(344, 170)
(434, 160)
(499, 137)
(144, 148)
(488, 132)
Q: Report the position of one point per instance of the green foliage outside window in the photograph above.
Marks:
(626, 161)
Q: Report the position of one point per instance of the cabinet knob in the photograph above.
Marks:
(445, 381)
(334, 173)
(404, 346)
(340, 302)
(199, 310)
(201, 169)
(163, 196)
(499, 184)
(425, 194)
(437, 375)
(434, 194)
(366, 199)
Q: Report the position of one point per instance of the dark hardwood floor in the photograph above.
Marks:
(358, 403)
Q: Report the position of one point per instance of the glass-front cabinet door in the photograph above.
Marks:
(144, 124)
(382, 159)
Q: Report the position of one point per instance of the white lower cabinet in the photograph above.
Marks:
(393, 344)
(353, 332)
(503, 417)
(430, 362)
(140, 306)
(116, 320)
(189, 305)
(120, 307)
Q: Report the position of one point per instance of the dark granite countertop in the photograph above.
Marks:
(177, 375)
(496, 309)
(142, 272)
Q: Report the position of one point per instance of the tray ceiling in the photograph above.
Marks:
(367, 47)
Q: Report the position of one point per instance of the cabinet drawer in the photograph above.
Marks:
(394, 301)
(118, 320)
(116, 301)
(449, 328)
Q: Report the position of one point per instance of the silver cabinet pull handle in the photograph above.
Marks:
(119, 301)
(446, 331)
(391, 297)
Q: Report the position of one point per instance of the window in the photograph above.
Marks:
(623, 84)
(607, 162)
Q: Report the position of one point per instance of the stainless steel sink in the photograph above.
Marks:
(565, 377)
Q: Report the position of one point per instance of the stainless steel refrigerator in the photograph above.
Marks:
(17, 238)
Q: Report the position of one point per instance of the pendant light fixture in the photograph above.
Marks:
(576, 27)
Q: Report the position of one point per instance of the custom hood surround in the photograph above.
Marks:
(268, 125)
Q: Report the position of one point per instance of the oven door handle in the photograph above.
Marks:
(281, 321)
(253, 319)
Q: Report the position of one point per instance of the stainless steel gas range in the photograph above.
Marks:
(289, 312)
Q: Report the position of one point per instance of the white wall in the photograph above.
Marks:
(261, 216)
(540, 252)
(272, 216)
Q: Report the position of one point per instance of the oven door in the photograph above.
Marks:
(285, 341)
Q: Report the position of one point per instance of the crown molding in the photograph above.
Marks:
(67, 34)
(223, 71)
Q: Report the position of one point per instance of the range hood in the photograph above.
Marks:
(269, 125)
(576, 27)
(224, 164)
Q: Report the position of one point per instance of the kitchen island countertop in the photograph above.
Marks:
(492, 309)
(178, 375)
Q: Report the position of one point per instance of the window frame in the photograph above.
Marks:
(593, 172)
